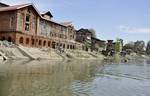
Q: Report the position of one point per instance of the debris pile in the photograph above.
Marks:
(7, 44)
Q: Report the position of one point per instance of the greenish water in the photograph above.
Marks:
(75, 78)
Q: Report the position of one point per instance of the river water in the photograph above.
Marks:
(75, 78)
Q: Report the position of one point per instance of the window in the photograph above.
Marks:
(49, 43)
(64, 46)
(33, 41)
(27, 18)
(63, 29)
(21, 20)
(27, 41)
(27, 27)
(44, 43)
(11, 22)
(3, 38)
(21, 40)
(33, 23)
(40, 42)
(27, 23)
(67, 46)
(43, 28)
(9, 39)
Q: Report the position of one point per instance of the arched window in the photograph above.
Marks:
(53, 45)
(21, 40)
(9, 39)
(27, 41)
(63, 45)
(33, 41)
(70, 46)
(3, 38)
(49, 43)
(67, 46)
(44, 43)
(40, 42)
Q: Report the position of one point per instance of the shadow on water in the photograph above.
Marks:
(74, 78)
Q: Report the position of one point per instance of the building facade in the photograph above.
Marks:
(98, 45)
(84, 36)
(23, 24)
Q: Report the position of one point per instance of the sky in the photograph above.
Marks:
(126, 19)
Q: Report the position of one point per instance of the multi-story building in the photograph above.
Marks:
(98, 45)
(84, 36)
(23, 24)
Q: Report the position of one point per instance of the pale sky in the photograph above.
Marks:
(126, 19)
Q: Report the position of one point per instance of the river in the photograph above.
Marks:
(75, 78)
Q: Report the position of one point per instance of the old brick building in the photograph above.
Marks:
(110, 45)
(23, 24)
(90, 43)
(98, 45)
(84, 36)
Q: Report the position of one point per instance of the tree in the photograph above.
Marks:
(139, 46)
(93, 32)
(119, 45)
(129, 45)
(148, 48)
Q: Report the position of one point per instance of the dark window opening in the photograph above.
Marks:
(21, 40)
(64, 46)
(53, 45)
(67, 46)
(27, 18)
(49, 43)
(27, 41)
(33, 41)
(70, 46)
(9, 39)
(44, 43)
(73, 47)
(40, 42)
(3, 38)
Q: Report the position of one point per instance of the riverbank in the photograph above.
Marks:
(21, 52)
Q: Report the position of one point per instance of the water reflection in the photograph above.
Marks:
(74, 78)
(44, 78)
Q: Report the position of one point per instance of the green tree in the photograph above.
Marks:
(148, 48)
(119, 45)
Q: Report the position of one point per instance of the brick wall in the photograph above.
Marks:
(8, 21)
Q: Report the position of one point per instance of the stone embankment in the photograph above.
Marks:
(11, 51)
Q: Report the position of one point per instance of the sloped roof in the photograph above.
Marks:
(16, 7)
(82, 30)
(98, 39)
(47, 13)
(53, 21)
(67, 23)
(5, 5)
